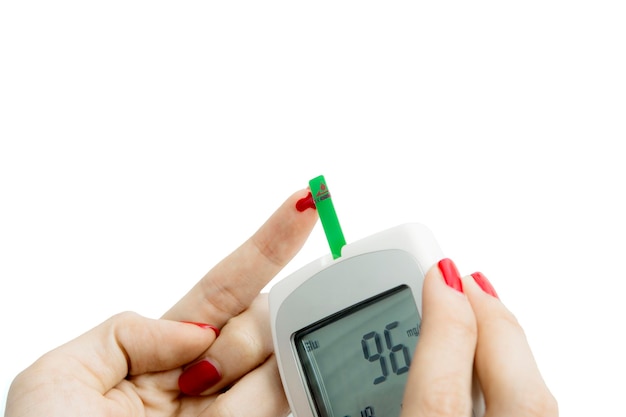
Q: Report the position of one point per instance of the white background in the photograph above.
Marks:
(141, 142)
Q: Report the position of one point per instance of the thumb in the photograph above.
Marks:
(440, 376)
(129, 344)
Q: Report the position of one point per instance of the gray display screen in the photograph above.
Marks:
(356, 362)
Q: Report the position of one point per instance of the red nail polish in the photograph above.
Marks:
(204, 326)
(450, 274)
(306, 203)
(484, 283)
(198, 378)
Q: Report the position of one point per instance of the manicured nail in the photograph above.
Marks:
(306, 203)
(198, 378)
(484, 283)
(204, 326)
(450, 274)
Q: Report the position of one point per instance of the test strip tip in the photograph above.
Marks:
(328, 216)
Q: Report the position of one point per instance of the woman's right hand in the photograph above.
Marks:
(467, 332)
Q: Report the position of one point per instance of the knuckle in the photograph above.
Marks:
(124, 324)
(222, 296)
(125, 317)
(128, 316)
(248, 344)
(268, 250)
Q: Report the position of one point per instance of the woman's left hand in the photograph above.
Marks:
(177, 366)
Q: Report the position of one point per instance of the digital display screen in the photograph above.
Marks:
(356, 362)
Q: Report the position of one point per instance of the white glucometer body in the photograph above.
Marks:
(345, 329)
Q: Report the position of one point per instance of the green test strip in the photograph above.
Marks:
(328, 216)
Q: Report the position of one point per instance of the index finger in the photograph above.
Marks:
(229, 288)
(506, 368)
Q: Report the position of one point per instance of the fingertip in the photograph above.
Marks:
(199, 377)
(443, 299)
(295, 219)
(484, 284)
(479, 290)
(302, 200)
(305, 202)
(450, 274)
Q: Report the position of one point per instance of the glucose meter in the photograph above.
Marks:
(345, 326)
(345, 329)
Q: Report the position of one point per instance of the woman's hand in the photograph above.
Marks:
(134, 366)
(467, 333)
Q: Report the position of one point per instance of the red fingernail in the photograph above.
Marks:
(204, 326)
(198, 378)
(305, 203)
(484, 283)
(450, 274)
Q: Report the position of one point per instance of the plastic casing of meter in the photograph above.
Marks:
(366, 268)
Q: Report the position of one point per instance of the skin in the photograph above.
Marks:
(472, 334)
(130, 365)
